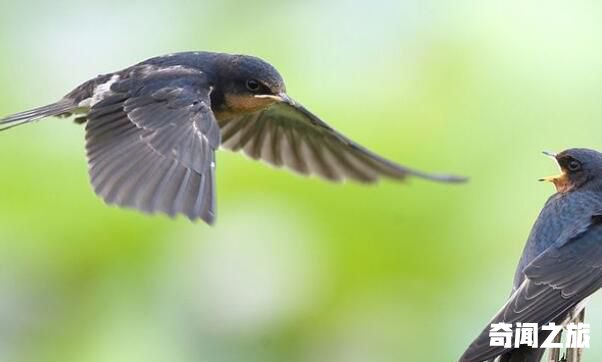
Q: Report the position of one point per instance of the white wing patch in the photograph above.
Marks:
(100, 92)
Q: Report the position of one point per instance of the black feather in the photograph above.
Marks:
(60, 108)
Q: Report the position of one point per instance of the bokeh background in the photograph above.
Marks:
(296, 269)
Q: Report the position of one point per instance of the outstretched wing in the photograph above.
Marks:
(151, 143)
(555, 282)
(287, 134)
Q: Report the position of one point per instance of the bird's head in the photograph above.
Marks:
(248, 84)
(580, 168)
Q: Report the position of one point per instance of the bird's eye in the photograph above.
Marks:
(574, 166)
(253, 85)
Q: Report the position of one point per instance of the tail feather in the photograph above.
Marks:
(64, 106)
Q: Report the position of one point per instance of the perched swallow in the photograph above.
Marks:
(152, 130)
(561, 264)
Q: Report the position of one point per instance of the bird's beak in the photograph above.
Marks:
(553, 179)
(558, 180)
(280, 97)
(550, 154)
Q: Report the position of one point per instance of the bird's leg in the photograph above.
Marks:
(574, 354)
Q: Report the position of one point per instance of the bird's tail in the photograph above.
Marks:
(62, 107)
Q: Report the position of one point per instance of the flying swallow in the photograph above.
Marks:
(561, 264)
(152, 130)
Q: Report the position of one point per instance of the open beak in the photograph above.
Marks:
(553, 179)
(561, 181)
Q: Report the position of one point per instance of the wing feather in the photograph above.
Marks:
(287, 134)
(556, 281)
(151, 144)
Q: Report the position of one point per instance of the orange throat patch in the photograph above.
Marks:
(239, 104)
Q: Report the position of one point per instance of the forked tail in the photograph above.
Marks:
(62, 107)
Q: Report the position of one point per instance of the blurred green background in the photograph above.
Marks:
(296, 269)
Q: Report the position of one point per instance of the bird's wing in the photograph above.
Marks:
(151, 143)
(556, 281)
(287, 134)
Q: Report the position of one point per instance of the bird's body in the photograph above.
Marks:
(561, 264)
(152, 130)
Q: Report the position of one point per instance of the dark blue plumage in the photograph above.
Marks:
(152, 130)
(561, 264)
